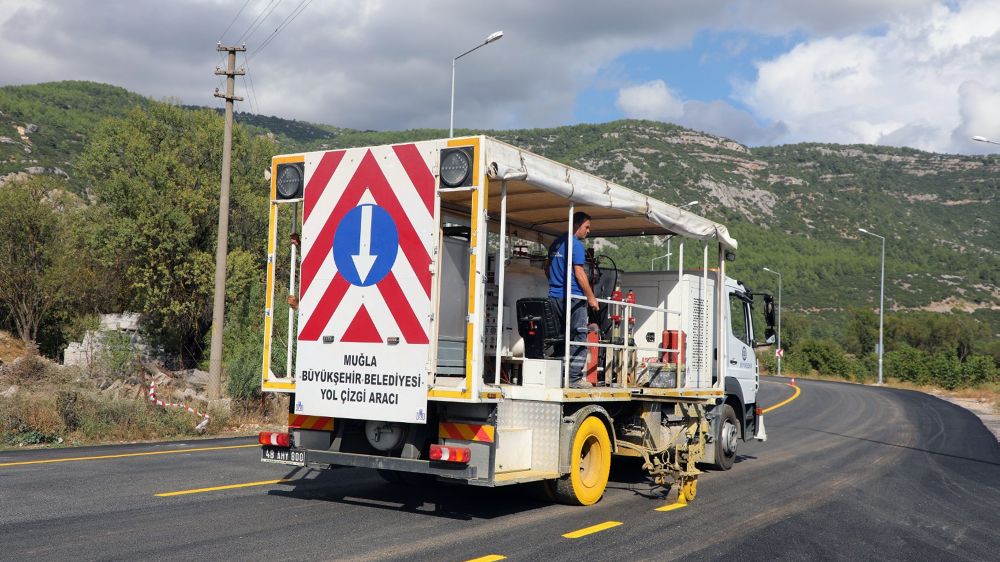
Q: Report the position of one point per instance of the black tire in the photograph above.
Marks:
(726, 438)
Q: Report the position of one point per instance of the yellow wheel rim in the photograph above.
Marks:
(591, 461)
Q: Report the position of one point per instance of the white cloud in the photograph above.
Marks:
(362, 64)
(820, 17)
(906, 86)
(979, 106)
(652, 100)
(656, 100)
(720, 118)
(894, 71)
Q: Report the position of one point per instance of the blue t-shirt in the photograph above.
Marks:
(557, 267)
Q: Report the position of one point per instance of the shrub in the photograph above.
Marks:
(104, 419)
(825, 357)
(945, 370)
(31, 369)
(244, 340)
(68, 405)
(29, 421)
(980, 369)
(117, 357)
(907, 364)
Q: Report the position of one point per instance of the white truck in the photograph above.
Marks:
(422, 344)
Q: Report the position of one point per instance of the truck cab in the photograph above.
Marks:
(735, 419)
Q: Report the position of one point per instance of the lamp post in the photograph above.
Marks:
(779, 318)
(984, 139)
(493, 37)
(668, 254)
(881, 297)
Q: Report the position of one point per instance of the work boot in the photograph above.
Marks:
(582, 383)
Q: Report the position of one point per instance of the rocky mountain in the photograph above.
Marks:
(794, 208)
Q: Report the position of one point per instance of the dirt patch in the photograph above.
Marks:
(11, 347)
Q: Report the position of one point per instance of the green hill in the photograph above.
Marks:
(795, 208)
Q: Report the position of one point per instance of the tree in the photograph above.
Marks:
(40, 265)
(155, 173)
(862, 332)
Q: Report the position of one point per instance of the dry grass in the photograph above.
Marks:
(44, 404)
(11, 347)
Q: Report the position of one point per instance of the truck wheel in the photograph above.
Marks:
(727, 436)
(590, 465)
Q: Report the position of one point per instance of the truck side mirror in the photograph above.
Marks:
(769, 311)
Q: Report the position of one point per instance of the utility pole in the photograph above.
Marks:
(222, 246)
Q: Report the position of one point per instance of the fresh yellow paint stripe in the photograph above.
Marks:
(124, 455)
(780, 404)
(488, 558)
(672, 506)
(593, 529)
(217, 488)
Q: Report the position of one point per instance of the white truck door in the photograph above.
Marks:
(741, 363)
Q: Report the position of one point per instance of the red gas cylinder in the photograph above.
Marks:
(673, 339)
(591, 371)
(630, 299)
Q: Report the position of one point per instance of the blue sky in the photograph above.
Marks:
(706, 69)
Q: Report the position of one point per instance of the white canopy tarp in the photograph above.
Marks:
(543, 186)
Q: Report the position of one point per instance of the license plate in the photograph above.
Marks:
(282, 455)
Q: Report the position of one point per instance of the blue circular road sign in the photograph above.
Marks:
(365, 245)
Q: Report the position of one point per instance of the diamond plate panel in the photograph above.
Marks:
(543, 419)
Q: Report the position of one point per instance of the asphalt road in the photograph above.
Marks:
(849, 472)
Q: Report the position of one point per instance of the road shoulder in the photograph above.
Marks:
(981, 408)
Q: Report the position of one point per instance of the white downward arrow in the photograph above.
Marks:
(364, 260)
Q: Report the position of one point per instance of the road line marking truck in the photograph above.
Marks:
(420, 341)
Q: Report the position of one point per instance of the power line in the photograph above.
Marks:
(222, 59)
(245, 87)
(257, 21)
(245, 4)
(253, 92)
(303, 4)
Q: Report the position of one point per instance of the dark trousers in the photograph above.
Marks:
(578, 328)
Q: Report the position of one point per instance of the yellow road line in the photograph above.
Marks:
(592, 529)
(488, 558)
(672, 506)
(217, 488)
(780, 404)
(124, 455)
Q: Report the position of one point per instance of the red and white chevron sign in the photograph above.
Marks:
(398, 180)
(364, 299)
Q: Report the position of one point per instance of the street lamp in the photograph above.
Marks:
(668, 254)
(496, 35)
(780, 352)
(984, 139)
(881, 296)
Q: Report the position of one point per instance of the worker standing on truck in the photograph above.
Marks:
(580, 286)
